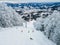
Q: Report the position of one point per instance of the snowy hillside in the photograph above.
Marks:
(23, 36)
(50, 26)
(29, 23)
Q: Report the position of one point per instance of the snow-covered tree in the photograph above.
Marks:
(8, 17)
(51, 26)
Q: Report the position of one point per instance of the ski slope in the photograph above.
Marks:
(23, 36)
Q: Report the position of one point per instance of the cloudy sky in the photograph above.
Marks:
(32, 0)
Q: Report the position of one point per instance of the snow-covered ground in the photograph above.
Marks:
(23, 36)
(14, 30)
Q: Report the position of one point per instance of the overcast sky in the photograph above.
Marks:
(33, 0)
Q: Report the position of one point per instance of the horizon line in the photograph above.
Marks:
(27, 2)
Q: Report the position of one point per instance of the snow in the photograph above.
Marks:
(51, 26)
(15, 31)
(21, 36)
(8, 17)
